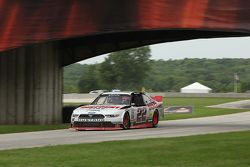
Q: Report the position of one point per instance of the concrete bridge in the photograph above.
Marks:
(38, 38)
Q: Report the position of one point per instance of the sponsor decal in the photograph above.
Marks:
(91, 120)
(95, 108)
(152, 104)
(179, 110)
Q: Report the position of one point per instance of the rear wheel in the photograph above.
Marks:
(126, 121)
(155, 119)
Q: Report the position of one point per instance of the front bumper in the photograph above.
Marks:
(95, 125)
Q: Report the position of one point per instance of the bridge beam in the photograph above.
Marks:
(31, 85)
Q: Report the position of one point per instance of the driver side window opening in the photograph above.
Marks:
(138, 100)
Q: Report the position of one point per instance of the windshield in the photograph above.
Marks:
(112, 99)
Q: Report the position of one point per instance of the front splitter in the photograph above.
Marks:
(117, 127)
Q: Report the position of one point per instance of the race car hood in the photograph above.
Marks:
(95, 109)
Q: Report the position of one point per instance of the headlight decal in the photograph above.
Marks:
(112, 115)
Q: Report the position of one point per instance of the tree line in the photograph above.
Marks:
(133, 70)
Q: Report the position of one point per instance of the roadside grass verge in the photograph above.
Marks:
(30, 128)
(214, 150)
(199, 106)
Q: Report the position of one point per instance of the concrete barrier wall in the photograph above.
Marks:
(79, 96)
(167, 94)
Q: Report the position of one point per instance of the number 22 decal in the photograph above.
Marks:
(141, 115)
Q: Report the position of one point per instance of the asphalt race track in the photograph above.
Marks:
(185, 127)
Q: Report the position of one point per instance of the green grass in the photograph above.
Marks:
(29, 128)
(216, 150)
(199, 105)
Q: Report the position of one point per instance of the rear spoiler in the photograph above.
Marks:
(158, 98)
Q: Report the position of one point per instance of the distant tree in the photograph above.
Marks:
(89, 80)
(245, 86)
(70, 88)
(132, 69)
(71, 76)
(126, 69)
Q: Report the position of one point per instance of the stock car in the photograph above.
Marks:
(118, 110)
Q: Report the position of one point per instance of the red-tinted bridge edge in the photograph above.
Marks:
(30, 22)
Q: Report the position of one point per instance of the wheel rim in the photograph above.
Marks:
(155, 119)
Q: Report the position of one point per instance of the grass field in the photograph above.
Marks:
(29, 128)
(199, 104)
(216, 150)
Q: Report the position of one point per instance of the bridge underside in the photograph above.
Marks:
(77, 49)
(31, 77)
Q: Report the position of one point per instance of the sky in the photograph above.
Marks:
(199, 48)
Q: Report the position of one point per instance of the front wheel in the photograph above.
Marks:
(126, 121)
(155, 119)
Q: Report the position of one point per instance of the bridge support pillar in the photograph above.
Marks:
(31, 85)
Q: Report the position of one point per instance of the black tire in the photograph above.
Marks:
(126, 121)
(155, 120)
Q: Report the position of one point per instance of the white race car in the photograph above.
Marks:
(116, 110)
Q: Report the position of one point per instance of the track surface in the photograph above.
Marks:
(185, 127)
